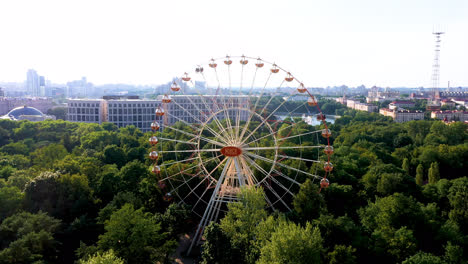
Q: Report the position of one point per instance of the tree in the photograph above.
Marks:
(107, 257)
(241, 221)
(135, 236)
(309, 203)
(46, 157)
(217, 247)
(114, 155)
(342, 254)
(291, 243)
(406, 166)
(420, 175)
(63, 196)
(394, 222)
(131, 174)
(434, 174)
(458, 197)
(423, 258)
(11, 199)
(454, 254)
(109, 126)
(26, 238)
(174, 219)
(58, 112)
(4, 136)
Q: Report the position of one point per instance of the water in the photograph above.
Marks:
(311, 119)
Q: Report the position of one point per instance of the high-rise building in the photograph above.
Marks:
(2, 93)
(32, 83)
(79, 88)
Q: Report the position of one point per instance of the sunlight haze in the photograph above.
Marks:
(324, 43)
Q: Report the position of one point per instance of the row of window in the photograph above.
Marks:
(83, 111)
(84, 104)
(133, 105)
(131, 118)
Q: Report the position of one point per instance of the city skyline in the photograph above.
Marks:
(324, 44)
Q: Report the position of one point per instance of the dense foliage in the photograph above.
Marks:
(84, 192)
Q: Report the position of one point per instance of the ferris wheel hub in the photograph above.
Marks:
(231, 151)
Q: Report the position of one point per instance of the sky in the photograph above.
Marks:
(388, 43)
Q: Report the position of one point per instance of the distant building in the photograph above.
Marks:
(447, 102)
(196, 109)
(366, 107)
(130, 110)
(79, 88)
(461, 102)
(450, 115)
(26, 113)
(401, 104)
(2, 93)
(120, 110)
(33, 83)
(400, 116)
(454, 95)
(355, 104)
(42, 104)
(342, 100)
(376, 95)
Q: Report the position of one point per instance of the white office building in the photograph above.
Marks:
(129, 110)
(197, 109)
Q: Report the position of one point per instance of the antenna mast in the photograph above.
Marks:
(436, 67)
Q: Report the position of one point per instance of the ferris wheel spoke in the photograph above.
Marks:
(277, 147)
(178, 161)
(191, 151)
(252, 180)
(185, 182)
(263, 122)
(266, 184)
(265, 119)
(282, 165)
(300, 135)
(197, 136)
(267, 135)
(287, 177)
(215, 118)
(226, 114)
(238, 114)
(194, 166)
(208, 177)
(197, 119)
(194, 188)
(207, 213)
(281, 185)
(240, 172)
(298, 158)
(269, 101)
(255, 107)
(176, 140)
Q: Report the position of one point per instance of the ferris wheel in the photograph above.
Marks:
(233, 122)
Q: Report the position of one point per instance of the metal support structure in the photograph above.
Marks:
(436, 67)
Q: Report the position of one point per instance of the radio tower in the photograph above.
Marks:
(436, 67)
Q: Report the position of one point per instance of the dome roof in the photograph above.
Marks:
(24, 110)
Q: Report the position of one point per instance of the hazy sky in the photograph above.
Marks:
(323, 42)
